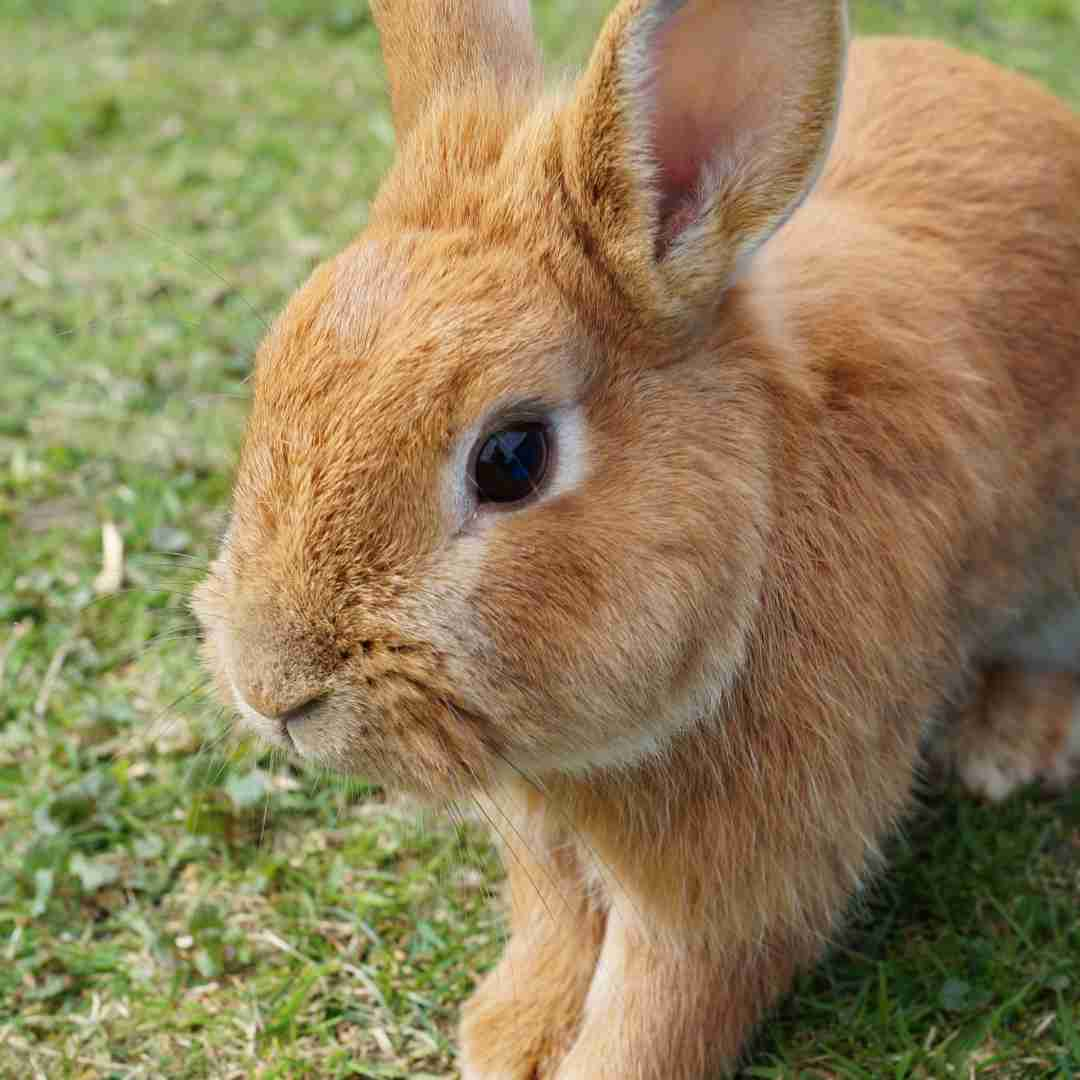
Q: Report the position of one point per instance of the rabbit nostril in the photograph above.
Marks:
(290, 719)
(298, 713)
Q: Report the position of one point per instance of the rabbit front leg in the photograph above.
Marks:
(527, 1012)
(673, 1008)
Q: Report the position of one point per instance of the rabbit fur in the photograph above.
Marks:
(811, 374)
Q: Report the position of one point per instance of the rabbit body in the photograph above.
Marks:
(815, 499)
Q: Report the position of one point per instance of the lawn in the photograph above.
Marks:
(172, 905)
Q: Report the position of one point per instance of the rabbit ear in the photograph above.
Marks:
(434, 47)
(697, 129)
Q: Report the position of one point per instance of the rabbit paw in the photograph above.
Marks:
(1025, 727)
(510, 1031)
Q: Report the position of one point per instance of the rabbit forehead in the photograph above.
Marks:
(424, 324)
(383, 362)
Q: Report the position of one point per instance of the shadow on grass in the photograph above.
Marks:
(963, 955)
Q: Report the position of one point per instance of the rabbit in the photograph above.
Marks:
(684, 457)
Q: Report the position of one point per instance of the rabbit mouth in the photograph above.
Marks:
(396, 730)
(274, 731)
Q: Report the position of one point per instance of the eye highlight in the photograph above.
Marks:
(512, 463)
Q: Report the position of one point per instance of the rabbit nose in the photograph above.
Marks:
(279, 669)
(283, 701)
(283, 708)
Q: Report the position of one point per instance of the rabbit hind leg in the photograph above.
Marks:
(1023, 726)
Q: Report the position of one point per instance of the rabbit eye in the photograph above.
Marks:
(512, 463)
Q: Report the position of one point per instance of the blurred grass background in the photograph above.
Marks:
(169, 171)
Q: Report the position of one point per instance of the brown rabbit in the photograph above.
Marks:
(667, 480)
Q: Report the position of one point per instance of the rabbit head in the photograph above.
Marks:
(504, 495)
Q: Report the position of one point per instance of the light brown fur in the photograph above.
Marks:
(827, 495)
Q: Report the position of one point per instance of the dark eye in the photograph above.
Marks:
(512, 463)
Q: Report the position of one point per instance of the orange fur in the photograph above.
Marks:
(823, 481)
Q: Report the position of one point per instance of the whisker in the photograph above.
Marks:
(468, 853)
(207, 267)
(552, 880)
(175, 590)
(265, 820)
(164, 716)
(109, 321)
(168, 558)
(542, 789)
(517, 858)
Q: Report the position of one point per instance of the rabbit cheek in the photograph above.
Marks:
(539, 665)
(583, 652)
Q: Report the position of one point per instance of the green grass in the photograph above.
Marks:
(168, 172)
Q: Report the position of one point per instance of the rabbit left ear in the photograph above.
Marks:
(434, 47)
(698, 128)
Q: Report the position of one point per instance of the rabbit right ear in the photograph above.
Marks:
(434, 47)
(697, 128)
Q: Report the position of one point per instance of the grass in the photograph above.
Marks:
(168, 172)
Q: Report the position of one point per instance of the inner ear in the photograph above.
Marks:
(698, 127)
(711, 81)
